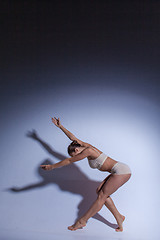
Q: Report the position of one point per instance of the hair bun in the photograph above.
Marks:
(74, 142)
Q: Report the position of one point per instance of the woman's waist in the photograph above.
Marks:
(108, 164)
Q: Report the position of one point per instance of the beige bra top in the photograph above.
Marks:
(98, 162)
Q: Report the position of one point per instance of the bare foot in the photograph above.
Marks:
(120, 221)
(77, 225)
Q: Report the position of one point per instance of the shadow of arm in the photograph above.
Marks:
(33, 134)
(28, 187)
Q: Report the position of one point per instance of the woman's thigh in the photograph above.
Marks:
(114, 182)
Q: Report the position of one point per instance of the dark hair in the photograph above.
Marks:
(72, 146)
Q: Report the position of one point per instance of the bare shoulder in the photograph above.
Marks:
(93, 149)
(90, 147)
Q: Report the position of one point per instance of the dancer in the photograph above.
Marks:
(120, 173)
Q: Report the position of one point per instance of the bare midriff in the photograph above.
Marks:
(108, 164)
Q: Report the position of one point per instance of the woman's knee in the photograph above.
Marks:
(102, 196)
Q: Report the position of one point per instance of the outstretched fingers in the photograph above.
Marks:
(46, 167)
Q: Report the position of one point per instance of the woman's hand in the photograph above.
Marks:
(47, 167)
(56, 122)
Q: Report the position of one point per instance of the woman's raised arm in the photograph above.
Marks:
(68, 133)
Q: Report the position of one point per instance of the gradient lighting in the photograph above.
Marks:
(123, 125)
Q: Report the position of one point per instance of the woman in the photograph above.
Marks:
(120, 174)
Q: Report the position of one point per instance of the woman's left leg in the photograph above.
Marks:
(112, 184)
(119, 217)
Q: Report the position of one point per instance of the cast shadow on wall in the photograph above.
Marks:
(63, 177)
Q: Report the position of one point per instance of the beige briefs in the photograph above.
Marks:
(120, 168)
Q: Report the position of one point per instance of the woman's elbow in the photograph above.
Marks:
(67, 161)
